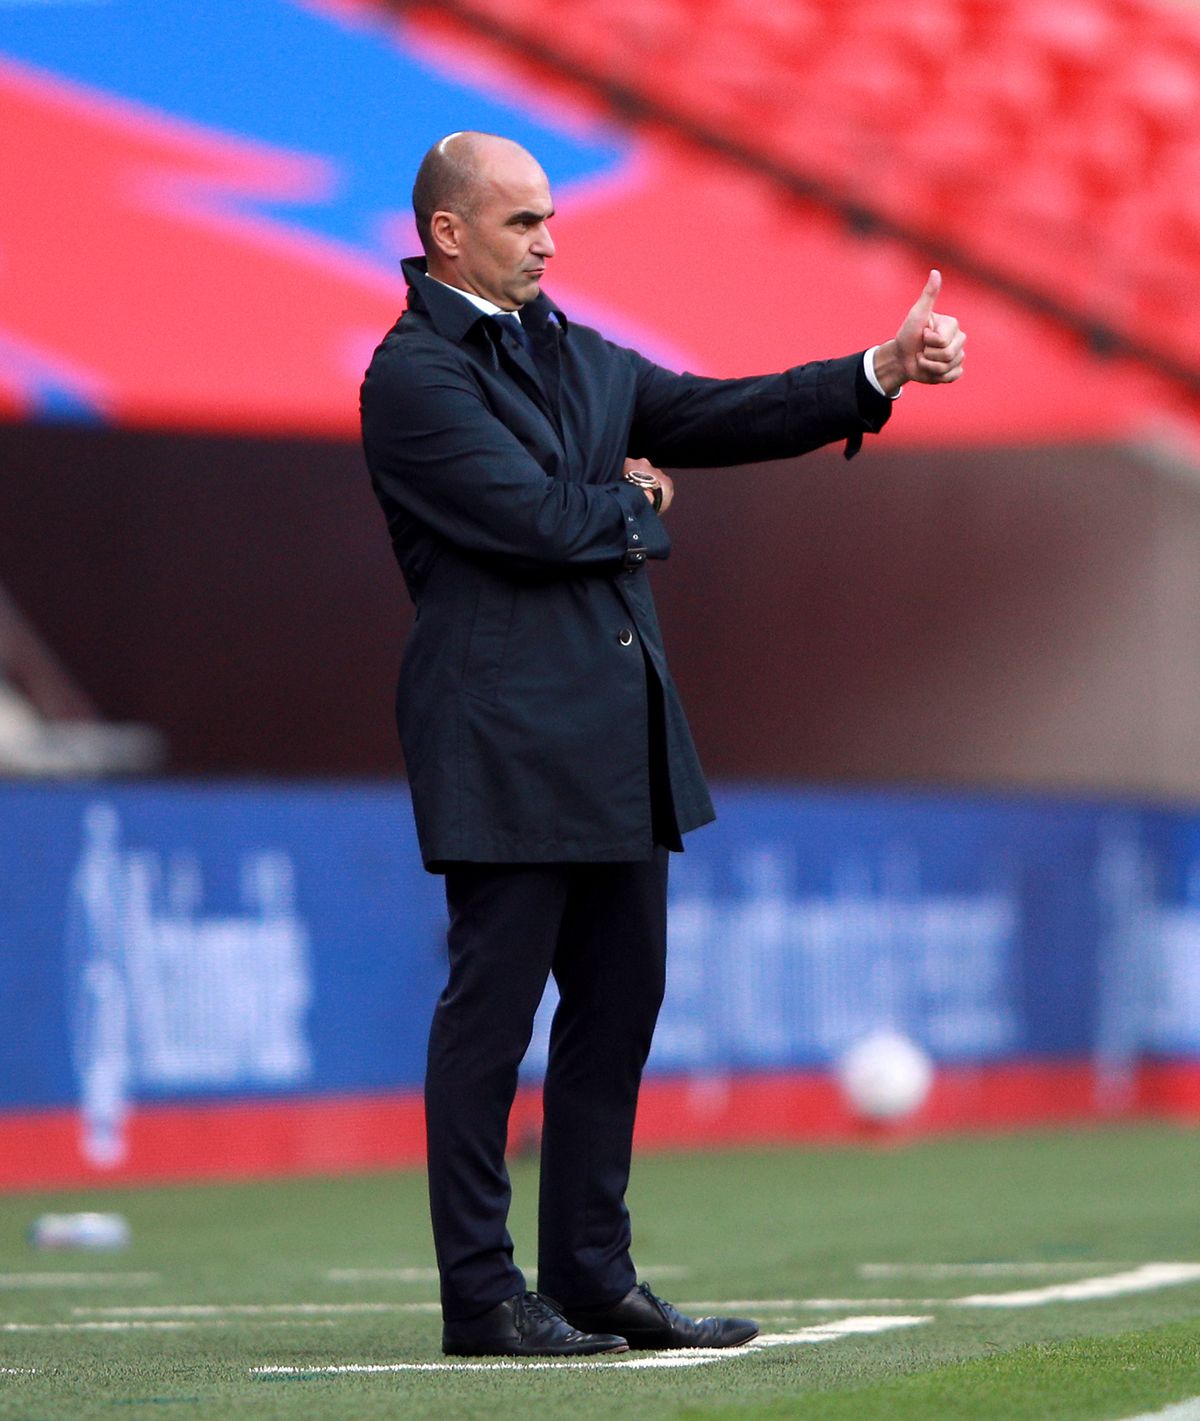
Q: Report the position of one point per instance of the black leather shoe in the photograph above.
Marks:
(652, 1324)
(524, 1326)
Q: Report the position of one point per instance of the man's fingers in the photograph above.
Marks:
(943, 351)
(942, 355)
(950, 355)
(938, 372)
(941, 330)
(934, 348)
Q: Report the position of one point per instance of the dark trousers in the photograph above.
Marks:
(601, 930)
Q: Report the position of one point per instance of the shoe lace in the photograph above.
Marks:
(668, 1310)
(534, 1307)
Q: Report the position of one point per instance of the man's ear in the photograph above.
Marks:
(443, 228)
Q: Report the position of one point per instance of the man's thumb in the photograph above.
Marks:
(924, 306)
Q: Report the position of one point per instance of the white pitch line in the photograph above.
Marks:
(830, 1331)
(187, 1310)
(753, 1305)
(145, 1325)
(75, 1280)
(726, 1305)
(981, 1270)
(381, 1275)
(18, 1371)
(695, 1357)
(667, 1360)
(1182, 1411)
(516, 1365)
(430, 1275)
(1146, 1279)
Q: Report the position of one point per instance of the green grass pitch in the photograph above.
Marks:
(224, 1280)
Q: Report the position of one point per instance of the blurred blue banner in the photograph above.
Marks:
(185, 942)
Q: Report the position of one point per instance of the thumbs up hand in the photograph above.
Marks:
(928, 347)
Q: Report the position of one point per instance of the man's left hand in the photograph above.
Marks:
(928, 347)
(663, 481)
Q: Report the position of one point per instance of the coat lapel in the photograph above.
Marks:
(540, 378)
(459, 321)
(548, 359)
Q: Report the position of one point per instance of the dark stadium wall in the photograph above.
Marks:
(237, 593)
(1016, 616)
(1012, 617)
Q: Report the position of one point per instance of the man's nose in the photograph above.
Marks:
(543, 243)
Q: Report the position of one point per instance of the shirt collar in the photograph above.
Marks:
(489, 308)
(454, 311)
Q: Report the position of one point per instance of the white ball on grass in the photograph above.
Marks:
(885, 1075)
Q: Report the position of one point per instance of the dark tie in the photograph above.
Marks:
(544, 365)
(510, 323)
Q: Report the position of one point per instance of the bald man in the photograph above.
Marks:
(515, 454)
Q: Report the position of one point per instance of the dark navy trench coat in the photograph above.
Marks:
(523, 698)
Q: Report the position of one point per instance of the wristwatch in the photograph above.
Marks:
(642, 478)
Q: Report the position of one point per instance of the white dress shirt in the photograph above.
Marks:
(869, 372)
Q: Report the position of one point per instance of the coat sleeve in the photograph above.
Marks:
(437, 453)
(690, 421)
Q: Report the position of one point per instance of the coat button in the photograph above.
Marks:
(625, 636)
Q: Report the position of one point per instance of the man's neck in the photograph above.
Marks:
(489, 308)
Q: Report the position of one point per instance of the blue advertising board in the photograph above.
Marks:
(186, 942)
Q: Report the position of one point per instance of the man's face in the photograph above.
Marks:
(502, 249)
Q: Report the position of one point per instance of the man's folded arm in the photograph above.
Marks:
(692, 421)
(436, 452)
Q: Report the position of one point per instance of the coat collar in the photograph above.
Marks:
(453, 317)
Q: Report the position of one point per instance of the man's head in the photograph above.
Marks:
(481, 205)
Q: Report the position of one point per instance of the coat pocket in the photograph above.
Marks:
(488, 638)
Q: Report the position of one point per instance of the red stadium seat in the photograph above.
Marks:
(1058, 144)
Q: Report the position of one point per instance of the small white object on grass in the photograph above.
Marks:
(86, 1231)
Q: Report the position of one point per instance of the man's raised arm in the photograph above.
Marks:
(694, 421)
